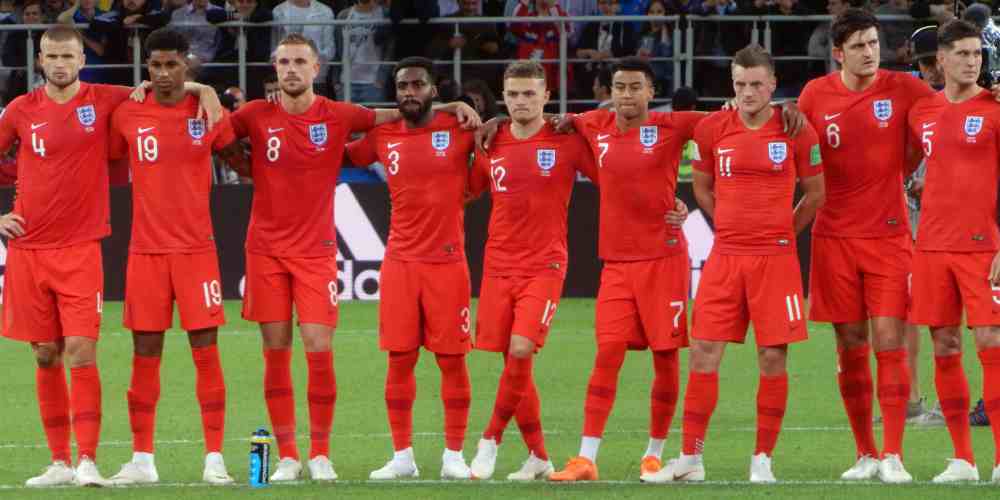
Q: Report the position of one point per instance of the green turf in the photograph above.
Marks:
(814, 448)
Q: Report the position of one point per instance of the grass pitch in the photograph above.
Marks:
(814, 448)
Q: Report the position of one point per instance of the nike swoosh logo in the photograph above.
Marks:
(393, 144)
(35, 126)
(601, 137)
(495, 161)
(273, 130)
(681, 477)
(144, 130)
(830, 117)
(929, 125)
(724, 151)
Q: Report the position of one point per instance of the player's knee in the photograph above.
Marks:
(851, 335)
(521, 347)
(317, 338)
(81, 351)
(706, 356)
(203, 338)
(772, 360)
(947, 341)
(987, 337)
(47, 355)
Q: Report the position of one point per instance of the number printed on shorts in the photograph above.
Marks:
(794, 309)
(679, 305)
(466, 320)
(213, 293)
(549, 313)
(100, 304)
(332, 288)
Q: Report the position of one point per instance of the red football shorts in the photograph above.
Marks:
(852, 279)
(54, 293)
(516, 305)
(943, 282)
(737, 289)
(424, 304)
(644, 303)
(275, 283)
(154, 281)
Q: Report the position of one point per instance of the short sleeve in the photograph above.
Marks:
(805, 102)
(915, 88)
(479, 176)
(585, 123)
(682, 122)
(117, 144)
(358, 118)
(8, 125)
(585, 163)
(808, 160)
(114, 95)
(224, 134)
(361, 152)
(703, 158)
(240, 120)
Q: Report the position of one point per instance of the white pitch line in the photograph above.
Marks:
(492, 483)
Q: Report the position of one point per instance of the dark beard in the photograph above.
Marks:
(417, 115)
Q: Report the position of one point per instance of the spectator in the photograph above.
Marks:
(483, 99)
(718, 39)
(411, 39)
(52, 9)
(258, 45)
(448, 7)
(308, 10)
(366, 46)
(270, 82)
(602, 41)
(193, 73)
(477, 42)
(540, 40)
(602, 89)
(117, 28)
(204, 39)
(572, 8)
(787, 39)
(15, 49)
(658, 41)
(941, 11)
(7, 7)
(894, 36)
(819, 41)
(94, 42)
(237, 96)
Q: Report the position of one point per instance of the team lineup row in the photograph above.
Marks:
(876, 127)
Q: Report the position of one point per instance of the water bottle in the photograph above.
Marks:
(260, 458)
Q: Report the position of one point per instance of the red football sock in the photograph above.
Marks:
(856, 388)
(602, 388)
(143, 395)
(322, 401)
(663, 396)
(280, 398)
(513, 385)
(53, 405)
(953, 394)
(772, 398)
(210, 386)
(893, 395)
(699, 403)
(529, 421)
(85, 406)
(456, 394)
(990, 359)
(400, 392)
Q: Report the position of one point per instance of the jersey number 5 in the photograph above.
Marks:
(925, 138)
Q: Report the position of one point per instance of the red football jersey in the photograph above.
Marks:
(62, 164)
(530, 181)
(427, 171)
(638, 176)
(863, 152)
(170, 155)
(755, 173)
(959, 202)
(295, 162)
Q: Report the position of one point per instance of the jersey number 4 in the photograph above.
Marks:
(38, 145)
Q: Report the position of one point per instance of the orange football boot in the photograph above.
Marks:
(577, 469)
(650, 465)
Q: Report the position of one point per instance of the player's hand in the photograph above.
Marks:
(209, 106)
(11, 225)
(467, 116)
(995, 270)
(678, 215)
(916, 188)
(729, 105)
(486, 133)
(563, 123)
(793, 118)
(139, 93)
(273, 97)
